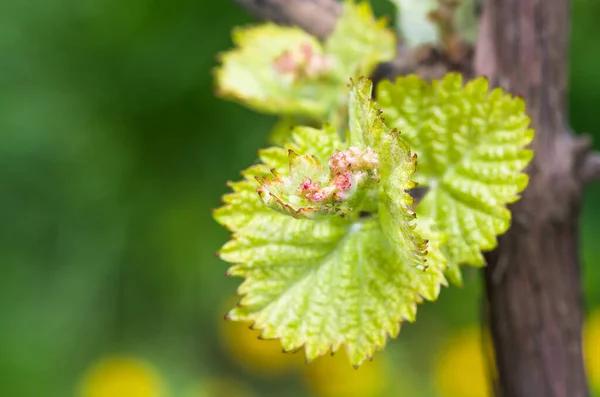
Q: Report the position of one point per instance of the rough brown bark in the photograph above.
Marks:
(532, 280)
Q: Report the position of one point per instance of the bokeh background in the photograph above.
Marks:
(114, 150)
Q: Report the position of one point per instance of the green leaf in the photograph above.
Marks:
(312, 190)
(437, 262)
(359, 41)
(471, 148)
(284, 70)
(320, 282)
(277, 69)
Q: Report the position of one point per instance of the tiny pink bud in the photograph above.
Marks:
(318, 196)
(307, 51)
(285, 63)
(306, 184)
(343, 181)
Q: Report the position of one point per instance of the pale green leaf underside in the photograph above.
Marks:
(470, 144)
(332, 282)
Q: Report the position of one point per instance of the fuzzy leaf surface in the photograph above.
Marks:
(471, 147)
(331, 281)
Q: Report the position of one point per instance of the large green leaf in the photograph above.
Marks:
(327, 281)
(471, 148)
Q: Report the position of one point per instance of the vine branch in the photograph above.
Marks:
(535, 308)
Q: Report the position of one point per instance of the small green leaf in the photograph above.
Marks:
(471, 148)
(278, 69)
(350, 275)
(284, 70)
(312, 190)
(359, 41)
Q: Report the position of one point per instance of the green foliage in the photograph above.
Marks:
(329, 247)
(359, 41)
(278, 70)
(324, 231)
(284, 70)
(470, 144)
(319, 280)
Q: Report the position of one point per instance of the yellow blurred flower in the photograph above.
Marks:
(591, 349)
(261, 357)
(122, 377)
(334, 376)
(463, 370)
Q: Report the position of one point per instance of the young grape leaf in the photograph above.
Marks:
(359, 42)
(278, 69)
(471, 147)
(284, 70)
(343, 277)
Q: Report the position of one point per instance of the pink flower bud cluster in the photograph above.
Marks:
(303, 62)
(347, 167)
(353, 159)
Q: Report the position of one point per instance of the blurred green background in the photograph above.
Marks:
(113, 152)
